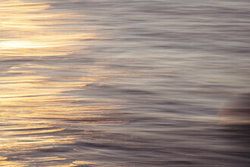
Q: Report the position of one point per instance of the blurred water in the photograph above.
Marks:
(122, 83)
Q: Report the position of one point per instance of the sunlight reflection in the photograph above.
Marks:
(20, 44)
(75, 164)
(35, 110)
(30, 29)
(5, 163)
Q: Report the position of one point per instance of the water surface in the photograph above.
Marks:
(122, 83)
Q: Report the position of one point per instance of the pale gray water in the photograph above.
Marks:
(122, 83)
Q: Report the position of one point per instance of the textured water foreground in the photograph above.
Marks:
(122, 83)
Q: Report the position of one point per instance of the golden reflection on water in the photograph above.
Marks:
(4, 162)
(33, 105)
(29, 29)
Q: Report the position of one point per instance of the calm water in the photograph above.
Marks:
(122, 83)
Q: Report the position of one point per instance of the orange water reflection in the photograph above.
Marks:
(34, 107)
(30, 29)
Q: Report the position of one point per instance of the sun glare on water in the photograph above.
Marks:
(20, 45)
(30, 29)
